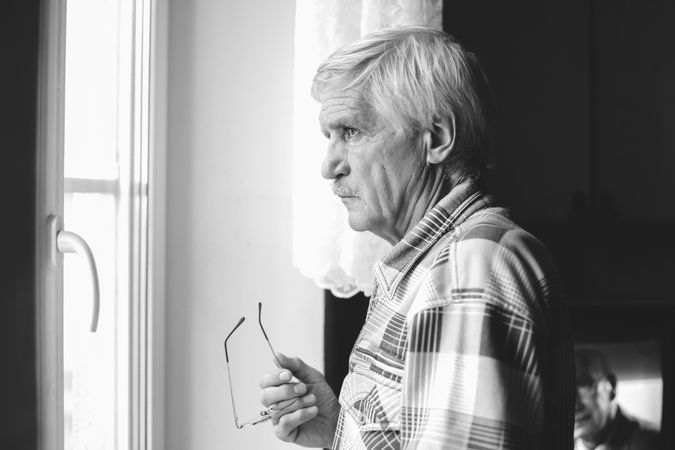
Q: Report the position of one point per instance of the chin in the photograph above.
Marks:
(358, 223)
(360, 220)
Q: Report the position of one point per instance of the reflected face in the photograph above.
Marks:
(374, 171)
(593, 403)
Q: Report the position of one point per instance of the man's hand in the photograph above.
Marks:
(311, 420)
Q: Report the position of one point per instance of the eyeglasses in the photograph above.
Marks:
(264, 415)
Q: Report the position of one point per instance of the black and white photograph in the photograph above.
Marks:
(338, 224)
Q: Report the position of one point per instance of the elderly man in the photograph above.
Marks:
(599, 423)
(466, 343)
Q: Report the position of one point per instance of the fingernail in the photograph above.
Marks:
(313, 410)
(300, 388)
(285, 375)
(309, 398)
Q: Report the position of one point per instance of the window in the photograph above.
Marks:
(100, 165)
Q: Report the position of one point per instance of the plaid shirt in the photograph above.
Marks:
(466, 343)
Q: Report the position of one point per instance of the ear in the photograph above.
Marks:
(440, 141)
(605, 388)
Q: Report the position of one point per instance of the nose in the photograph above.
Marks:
(335, 162)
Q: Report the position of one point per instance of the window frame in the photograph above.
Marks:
(147, 230)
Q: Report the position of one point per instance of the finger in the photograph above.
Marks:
(286, 429)
(275, 394)
(276, 378)
(283, 408)
(283, 404)
(301, 370)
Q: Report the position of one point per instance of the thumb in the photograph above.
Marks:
(301, 370)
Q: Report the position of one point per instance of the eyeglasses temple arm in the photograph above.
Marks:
(234, 407)
(229, 375)
(227, 356)
(265, 334)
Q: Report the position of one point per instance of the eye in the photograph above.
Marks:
(350, 133)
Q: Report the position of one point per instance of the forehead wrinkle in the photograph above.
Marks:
(346, 107)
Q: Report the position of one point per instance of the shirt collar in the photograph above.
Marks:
(461, 202)
(621, 430)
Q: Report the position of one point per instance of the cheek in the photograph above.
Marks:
(588, 403)
(385, 186)
(597, 412)
(372, 187)
(384, 174)
(367, 175)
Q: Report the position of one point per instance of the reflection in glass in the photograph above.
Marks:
(619, 395)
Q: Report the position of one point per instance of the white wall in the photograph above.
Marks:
(229, 215)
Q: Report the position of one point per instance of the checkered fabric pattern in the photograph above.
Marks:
(466, 343)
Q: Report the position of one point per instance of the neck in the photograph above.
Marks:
(420, 202)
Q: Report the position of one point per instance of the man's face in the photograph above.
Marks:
(593, 404)
(375, 172)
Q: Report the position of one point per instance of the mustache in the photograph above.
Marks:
(342, 190)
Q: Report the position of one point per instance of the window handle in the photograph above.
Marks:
(69, 242)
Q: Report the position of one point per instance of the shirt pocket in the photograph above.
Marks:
(371, 392)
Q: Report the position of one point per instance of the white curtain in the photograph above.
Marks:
(324, 247)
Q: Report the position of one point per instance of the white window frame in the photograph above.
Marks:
(147, 271)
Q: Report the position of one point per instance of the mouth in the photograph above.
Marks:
(348, 201)
(343, 192)
(582, 417)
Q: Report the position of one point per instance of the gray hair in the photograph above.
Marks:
(414, 77)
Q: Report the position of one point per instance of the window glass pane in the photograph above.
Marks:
(92, 72)
(90, 371)
(97, 151)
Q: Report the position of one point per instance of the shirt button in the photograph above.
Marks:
(362, 419)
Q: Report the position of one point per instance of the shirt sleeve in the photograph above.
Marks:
(473, 373)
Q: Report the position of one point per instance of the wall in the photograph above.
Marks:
(582, 148)
(229, 216)
(538, 72)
